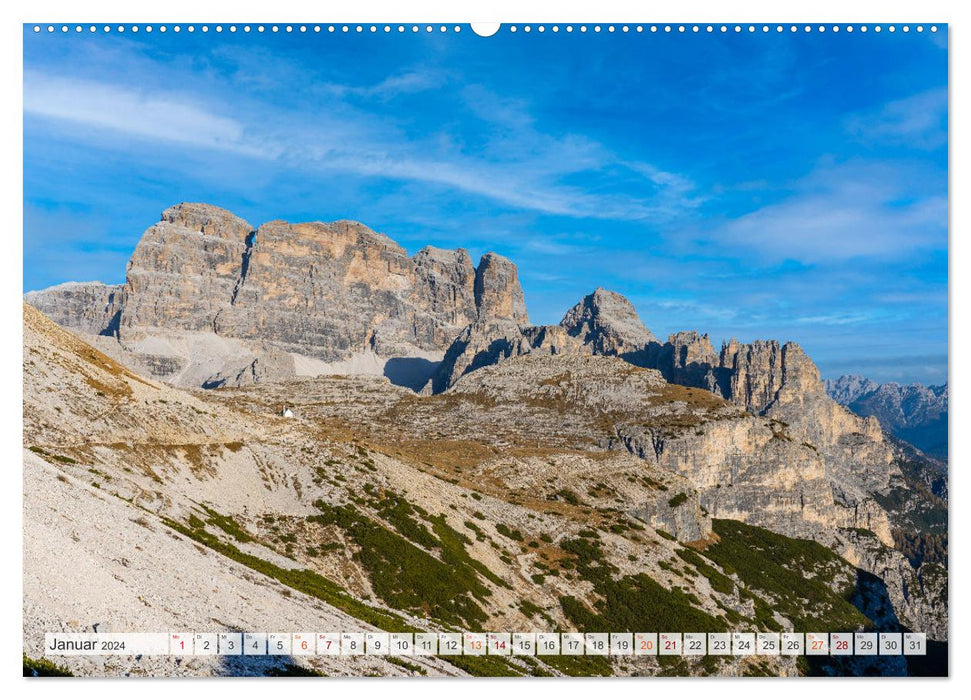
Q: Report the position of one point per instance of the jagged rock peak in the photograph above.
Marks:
(489, 342)
(179, 279)
(691, 347)
(443, 255)
(608, 323)
(497, 290)
(445, 280)
(764, 372)
(207, 219)
(333, 237)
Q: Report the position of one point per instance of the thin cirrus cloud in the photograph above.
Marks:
(839, 213)
(523, 168)
(837, 319)
(917, 121)
(407, 83)
(135, 112)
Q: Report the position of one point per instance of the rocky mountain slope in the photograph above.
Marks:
(915, 413)
(765, 379)
(450, 465)
(811, 467)
(510, 501)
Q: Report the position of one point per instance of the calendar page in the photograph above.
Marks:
(535, 349)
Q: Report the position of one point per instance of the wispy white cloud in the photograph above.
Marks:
(842, 212)
(141, 113)
(837, 319)
(697, 311)
(930, 297)
(546, 245)
(917, 121)
(517, 164)
(407, 83)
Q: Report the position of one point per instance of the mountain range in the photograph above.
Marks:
(915, 413)
(447, 464)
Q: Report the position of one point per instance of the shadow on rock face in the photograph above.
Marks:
(273, 666)
(871, 598)
(410, 372)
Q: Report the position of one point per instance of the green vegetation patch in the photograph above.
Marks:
(504, 530)
(580, 666)
(408, 577)
(484, 666)
(303, 580)
(719, 581)
(407, 665)
(678, 500)
(452, 544)
(630, 603)
(227, 524)
(289, 670)
(34, 668)
(57, 458)
(806, 582)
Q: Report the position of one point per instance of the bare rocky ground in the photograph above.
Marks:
(96, 563)
(539, 494)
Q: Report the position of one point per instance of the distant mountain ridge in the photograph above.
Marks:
(915, 413)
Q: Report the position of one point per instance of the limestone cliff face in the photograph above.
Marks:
(750, 469)
(497, 290)
(445, 283)
(210, 301)
(91, 307)
(764, 372)
(327, 290)
(688, 358)
(183, 270)
(919, 596)
(780, 382)
(754, 375)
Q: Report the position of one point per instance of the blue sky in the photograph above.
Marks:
(789, 186)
